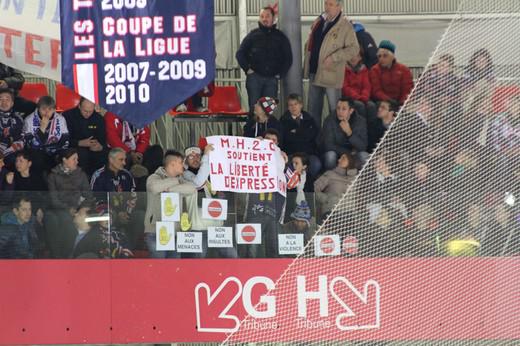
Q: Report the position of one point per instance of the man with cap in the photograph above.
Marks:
(301, 222)
(265, 56)
(197, 166)
(390, 80)
(263, 118)
(331, 43)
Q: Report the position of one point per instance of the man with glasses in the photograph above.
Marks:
(331, 43)
(390, 80)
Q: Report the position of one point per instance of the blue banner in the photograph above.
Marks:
(137, 58)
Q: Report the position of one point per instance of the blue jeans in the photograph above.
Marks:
(314, 166)
(150, 244)
(315, 99)
(258, 86)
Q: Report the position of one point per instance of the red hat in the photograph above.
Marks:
(268, 104)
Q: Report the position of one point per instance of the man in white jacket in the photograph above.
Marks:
(168, 178)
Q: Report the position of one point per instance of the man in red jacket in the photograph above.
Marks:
(120, 134)
(390, 80)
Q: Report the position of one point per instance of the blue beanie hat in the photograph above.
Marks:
(302, 212)
(386, 44)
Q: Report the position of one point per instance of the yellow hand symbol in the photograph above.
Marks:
(169, 207)
(185, 222)
(164, 236)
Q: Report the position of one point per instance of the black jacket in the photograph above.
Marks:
(81, 128)
(267, 51)
(253, 129)
(299, 136)
(13, 78)
(333, 138)
(367, 45)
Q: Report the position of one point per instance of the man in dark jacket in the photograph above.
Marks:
(11, 127)
(116, 179)
(299, 133)
(367, 45)
(386, 113)
(18, 237)
(265, 55)
(12, 79)
(343, 131)
(87, 134)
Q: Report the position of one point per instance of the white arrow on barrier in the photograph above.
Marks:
(224, 313)
(363, 297)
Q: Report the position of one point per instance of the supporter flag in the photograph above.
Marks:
(293, 178)
(137, 58)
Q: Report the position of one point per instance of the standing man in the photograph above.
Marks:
(265, 55)
(331, 43)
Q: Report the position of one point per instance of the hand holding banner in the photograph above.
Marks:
(241, 164)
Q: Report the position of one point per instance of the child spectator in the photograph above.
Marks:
(299, 133)
(333, 184)
(263, 118)
(357, 87)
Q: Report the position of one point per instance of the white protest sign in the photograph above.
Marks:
(170, 207)
(241, 164)
(189, 242)
(290, 244)
(327, 245)
(220, 237)
(249, 233)
(214, 209)
(164, 236)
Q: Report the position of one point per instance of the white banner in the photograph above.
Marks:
(189, 242)
(290, 244)
(30, 36)
(164, 236)
(220, 237)
(249, 233)
(241, 164)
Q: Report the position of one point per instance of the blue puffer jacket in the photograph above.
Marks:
(17, 241)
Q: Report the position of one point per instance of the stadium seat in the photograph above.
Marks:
(501, 95)
(65, 98)
(33, 91)
(225, 100)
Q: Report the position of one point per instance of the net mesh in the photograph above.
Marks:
(445, 179)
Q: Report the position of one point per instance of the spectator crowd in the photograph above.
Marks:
(444, 181)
